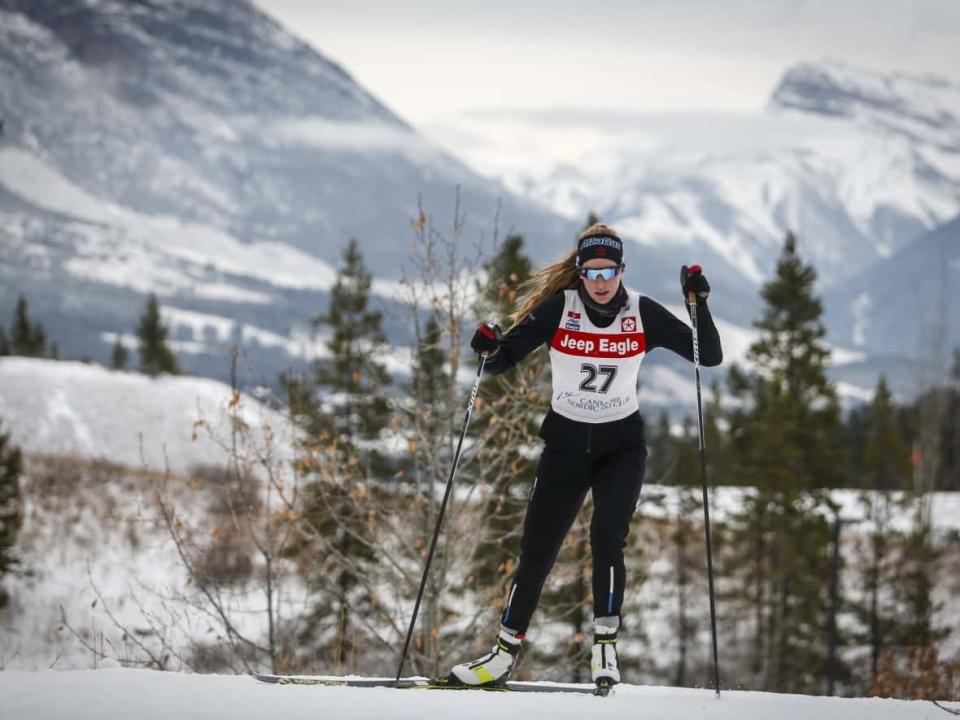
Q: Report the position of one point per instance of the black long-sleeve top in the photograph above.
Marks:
(661, 328)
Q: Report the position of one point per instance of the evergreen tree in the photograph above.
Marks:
(4, 343)
(353, 372)
(11, 467)
(155, 355)
(913, 588)
(785, 440)
(508, 269)
(26, 338)
(688, 547)
(303, 403)
(358, 411)
(949, 474)
(119, 356)
(430, 387)
(886, 454)
(886, 465)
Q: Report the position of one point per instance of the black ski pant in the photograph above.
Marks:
(607, 459)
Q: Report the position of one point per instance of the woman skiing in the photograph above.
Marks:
(597, 332)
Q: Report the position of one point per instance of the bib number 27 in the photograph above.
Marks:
(591, 373)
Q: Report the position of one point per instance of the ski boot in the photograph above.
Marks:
(492, 669)
(603, 658)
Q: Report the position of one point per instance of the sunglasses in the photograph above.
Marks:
(607, 273)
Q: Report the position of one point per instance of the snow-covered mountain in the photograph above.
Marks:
(925, 109)
(200, 151)
(903, 304)
(857, 163)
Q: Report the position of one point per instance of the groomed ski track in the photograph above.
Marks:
(125, 694)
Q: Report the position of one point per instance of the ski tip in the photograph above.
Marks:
(952, 711)
(604, 687)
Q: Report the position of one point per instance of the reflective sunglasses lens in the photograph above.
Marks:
(607, 273)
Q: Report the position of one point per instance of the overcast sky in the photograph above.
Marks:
(450, 67)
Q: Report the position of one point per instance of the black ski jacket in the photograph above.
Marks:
(661, 328)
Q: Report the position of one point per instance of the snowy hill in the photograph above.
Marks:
(86, 411)
(200, 151)
(115, 694)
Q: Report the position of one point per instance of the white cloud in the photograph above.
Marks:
(329, 135)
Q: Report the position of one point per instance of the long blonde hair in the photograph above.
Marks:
(561, 275)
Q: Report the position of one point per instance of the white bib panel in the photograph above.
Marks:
(595, 369)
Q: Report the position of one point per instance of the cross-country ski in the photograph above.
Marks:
(419, 683)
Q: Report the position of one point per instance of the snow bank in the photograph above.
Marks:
(121, 694)
(88, 411)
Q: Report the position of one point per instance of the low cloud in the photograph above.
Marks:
(352, 137)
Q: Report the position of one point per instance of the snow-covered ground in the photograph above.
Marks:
(87, 411)
(118, 693)
(91, 540)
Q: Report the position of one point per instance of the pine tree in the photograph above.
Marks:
(785, 441)
(508, 269)
(156, 357)
(353, 373)
(430, 386)
(886, 465)
(4, 343)
(949, 475)
(688, 549)
(356, 381)
(26, 339)
(886, 454)
(119, 356)
(913, 588)
(11, 467)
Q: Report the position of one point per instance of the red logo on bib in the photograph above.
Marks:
(628, 324)
(572, 342)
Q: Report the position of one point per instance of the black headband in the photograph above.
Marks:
(600, 246)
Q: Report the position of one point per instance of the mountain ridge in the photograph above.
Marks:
(182, 147)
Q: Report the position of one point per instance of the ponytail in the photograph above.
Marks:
(561, 275)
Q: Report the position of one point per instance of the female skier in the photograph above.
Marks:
(597, 332)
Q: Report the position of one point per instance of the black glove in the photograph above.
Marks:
(486, 340)
(693, 281)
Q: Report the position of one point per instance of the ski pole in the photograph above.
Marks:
(443, 507)
(692, 307)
